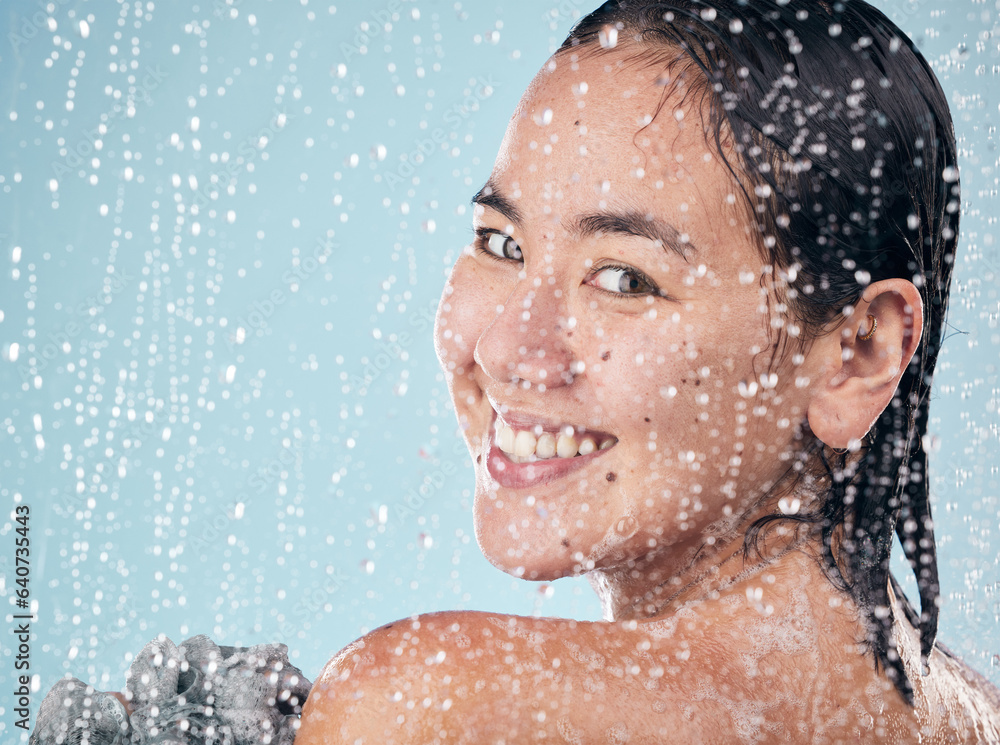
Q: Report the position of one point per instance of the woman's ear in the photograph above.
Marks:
(863, 361)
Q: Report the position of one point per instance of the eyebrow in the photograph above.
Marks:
(630, 222)
(488, 196)
(636, 224)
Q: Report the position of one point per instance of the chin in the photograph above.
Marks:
(537, 552)
(523, 541)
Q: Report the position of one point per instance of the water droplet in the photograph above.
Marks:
(544, 118)
(789, 505)
(608, 36)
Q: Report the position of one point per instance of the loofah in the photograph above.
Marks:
(197, 693)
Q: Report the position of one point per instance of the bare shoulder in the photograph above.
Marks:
(953, 701)
(462, 677)
(776, 661)
(967, 702)
(737, 669)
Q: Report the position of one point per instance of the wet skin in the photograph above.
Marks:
(651, 337)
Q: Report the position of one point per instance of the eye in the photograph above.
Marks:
(499, 245)
(623, 280)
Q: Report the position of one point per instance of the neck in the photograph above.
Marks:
(658, 583)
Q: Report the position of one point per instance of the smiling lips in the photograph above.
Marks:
(523, 454)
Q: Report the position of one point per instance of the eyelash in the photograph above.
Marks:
(483, 236)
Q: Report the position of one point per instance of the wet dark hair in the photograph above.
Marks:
(845, 153)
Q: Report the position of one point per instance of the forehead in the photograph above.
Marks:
(613, 125)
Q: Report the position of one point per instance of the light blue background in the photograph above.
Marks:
(182, 480)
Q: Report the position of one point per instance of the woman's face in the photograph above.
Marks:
(606, 338)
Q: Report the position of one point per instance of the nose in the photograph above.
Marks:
(528, 341)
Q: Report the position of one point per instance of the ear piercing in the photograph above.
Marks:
(874, 322)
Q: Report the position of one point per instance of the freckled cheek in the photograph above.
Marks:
(655, 389)
(634, 378)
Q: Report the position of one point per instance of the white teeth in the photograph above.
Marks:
(523, 446)
(505, 439)
(566, 446)
(546, 447)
